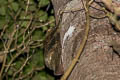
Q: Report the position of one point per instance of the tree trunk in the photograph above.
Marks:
(96, 61)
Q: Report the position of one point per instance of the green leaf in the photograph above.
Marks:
(27, 69)
(3, 2)
(43, 3)
(42, 76)
(37, 35)
(10, 29)
(11, 0)
(22, 4)
(32, 8)
(37, 59)
(50, 19)
(42, 15)
(25, 23)
(52, 11)
(2, 22)
(10, 72)
(2, 10)
(15, 6)
(18, 64)
(44, 28)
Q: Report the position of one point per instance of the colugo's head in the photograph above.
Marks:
(113, 6)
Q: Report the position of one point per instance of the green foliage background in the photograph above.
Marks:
(23, 25)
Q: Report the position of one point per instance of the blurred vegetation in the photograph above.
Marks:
(23, 25)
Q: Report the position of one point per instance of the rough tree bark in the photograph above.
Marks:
(96, 62)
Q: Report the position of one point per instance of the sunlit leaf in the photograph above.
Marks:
(42, 15)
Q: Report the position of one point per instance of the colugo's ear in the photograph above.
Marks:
(117, 10)
(107, 3)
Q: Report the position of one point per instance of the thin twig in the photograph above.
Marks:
(33, 70)
(21, 68)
